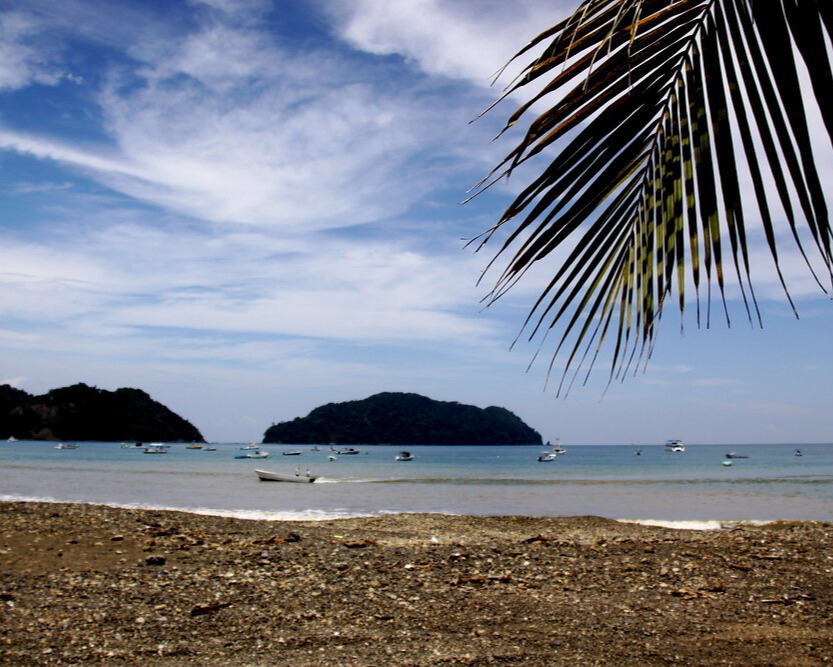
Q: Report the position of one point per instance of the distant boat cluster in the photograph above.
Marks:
(556, 450)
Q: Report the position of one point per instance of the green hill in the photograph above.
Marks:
(404, 419)
(80, 412)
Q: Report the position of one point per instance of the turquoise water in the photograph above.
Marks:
(607, 481)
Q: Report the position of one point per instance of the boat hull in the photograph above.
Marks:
(266, 476)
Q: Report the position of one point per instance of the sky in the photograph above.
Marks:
(250, 208)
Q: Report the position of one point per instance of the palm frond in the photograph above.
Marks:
(661, 108)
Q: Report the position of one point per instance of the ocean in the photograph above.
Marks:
(691, 488)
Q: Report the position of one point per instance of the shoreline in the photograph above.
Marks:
(91, 583)
(321, 515)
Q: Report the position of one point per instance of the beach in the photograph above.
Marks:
(96, 584)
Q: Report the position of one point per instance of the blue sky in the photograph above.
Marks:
(252, 208)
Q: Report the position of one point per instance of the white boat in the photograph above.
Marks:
(255, 454)
(62, 445)
(404, 456)
(266, 476)
(292, 453)
(674, 446)
(11, 438)
(251, 445)
(347, 450)
(552, 454)
(156, 448)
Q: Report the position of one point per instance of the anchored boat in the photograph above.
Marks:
(266, 476)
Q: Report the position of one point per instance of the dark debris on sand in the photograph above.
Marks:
(98, 585)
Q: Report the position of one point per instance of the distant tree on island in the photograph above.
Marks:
(81, 412)
(404, 419)
(674, 128)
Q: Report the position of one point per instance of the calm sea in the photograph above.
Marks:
(610, 481)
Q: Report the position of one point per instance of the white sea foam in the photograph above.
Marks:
(695, 525)
(254, 515)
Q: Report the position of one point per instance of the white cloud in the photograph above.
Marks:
(22, 61)
(458, 40)
(126, 278)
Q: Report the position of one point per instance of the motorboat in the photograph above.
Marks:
(674, 446)
(292, 453)
(209, 449)
(347, 450)
(798, 452)
(194, 446)
(251, 445)
(62, 445)
(11, 438)
(404, 456)
(266, 476)
(156, 448)
(254, 454)
(732, 455)
(553, 453)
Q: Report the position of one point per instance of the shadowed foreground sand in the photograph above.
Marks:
(87, 584)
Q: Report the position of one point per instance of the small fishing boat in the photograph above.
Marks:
(347, 450)
(266, 476)
(798, 452)
(254, 454)
(209, 449)
(292, 453)
(404, 456)
(552, 454)
(68, 445)
(194, 446)
(727, 463)
(156, 448)
(732, 455)
(674, 446)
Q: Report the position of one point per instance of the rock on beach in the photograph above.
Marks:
(101, 585)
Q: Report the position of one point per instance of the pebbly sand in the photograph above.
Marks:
(99, 585)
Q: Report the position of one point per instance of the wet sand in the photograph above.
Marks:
(90, 584)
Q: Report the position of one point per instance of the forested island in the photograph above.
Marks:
(81, 412)
(392, 418)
